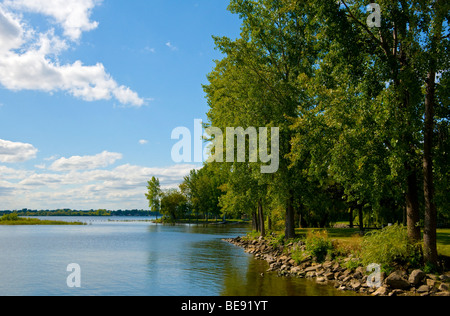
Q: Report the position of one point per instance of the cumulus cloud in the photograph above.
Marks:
(29, 59)
(13, 152)
(85, 162)
(121, 187)
(72, 15)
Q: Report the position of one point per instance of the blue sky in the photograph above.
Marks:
(90, 92)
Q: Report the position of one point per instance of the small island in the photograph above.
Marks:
(14, 220)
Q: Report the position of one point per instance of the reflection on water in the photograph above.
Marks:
(138, 258)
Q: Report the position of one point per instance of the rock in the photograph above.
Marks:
(295, 270)
(337, 275)
(327, 265)
(423, 289)
(444, 278)
(270, 259)
(310, 274)
(444, 287)
(396, 281)
(321, 280)
(416, 277)
(329, 276)
(311, 269)
(355, 284)
(443, 293)
(336, 267)
(380, 292)
(396, 292)
(431, 283)
(359, 273)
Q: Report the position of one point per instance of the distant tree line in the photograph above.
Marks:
(69, 212)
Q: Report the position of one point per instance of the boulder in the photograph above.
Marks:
(444, 287)
(423, 289)
(380, 292)
(416, 277)
(431, 283)
(329, 276)
(355, 284)
(396, 281)
(311, 269)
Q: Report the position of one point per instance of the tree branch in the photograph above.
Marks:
(382, 44)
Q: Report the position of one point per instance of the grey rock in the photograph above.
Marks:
(416, 277)
(396, 281)
(380, 292)
(423, 289)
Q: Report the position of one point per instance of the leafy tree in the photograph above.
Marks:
(154, 195)
(173, 204)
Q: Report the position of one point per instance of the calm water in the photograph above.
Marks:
(137, 258)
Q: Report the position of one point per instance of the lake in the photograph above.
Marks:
(134, 257)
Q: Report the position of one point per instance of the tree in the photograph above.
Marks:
(408, 50)
(173, 204)
(202, 189)
(154, 195)
(256, 84)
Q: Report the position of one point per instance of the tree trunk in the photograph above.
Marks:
(429, 236)
(255, 226)
(290, 220)
(361, 217)
(351, 217)
(262, 228)
(412, 206)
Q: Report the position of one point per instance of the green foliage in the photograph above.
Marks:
(154, 195)
(390, 246)
(10, 217)
(318, 245)
(276, 240)
(173, 205)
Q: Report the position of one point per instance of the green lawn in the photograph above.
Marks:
(443, 239)
(351, 235)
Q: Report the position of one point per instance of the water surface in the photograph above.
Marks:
(137, 258)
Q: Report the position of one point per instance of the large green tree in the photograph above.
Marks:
(154, 195)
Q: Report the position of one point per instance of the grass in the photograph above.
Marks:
(350, 238)
(443, 242)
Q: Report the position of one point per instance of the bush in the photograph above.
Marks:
(318, 245)
(10, 217)
(389, 247)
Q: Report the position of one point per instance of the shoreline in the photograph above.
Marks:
(334, 273)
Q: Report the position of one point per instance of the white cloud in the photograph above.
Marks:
(143, 142)
(72, 15)
(29, 59)
(119, 188)
(85, 162)
(12, 152)
(170, 45)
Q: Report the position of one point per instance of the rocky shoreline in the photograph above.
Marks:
(334, 273)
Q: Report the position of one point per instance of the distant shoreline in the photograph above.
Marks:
(8, 220)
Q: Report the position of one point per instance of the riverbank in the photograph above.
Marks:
(340, 272)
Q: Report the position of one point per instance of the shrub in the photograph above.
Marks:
(276, 240)
(388, 247)
(10, 217)
(318, 245)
